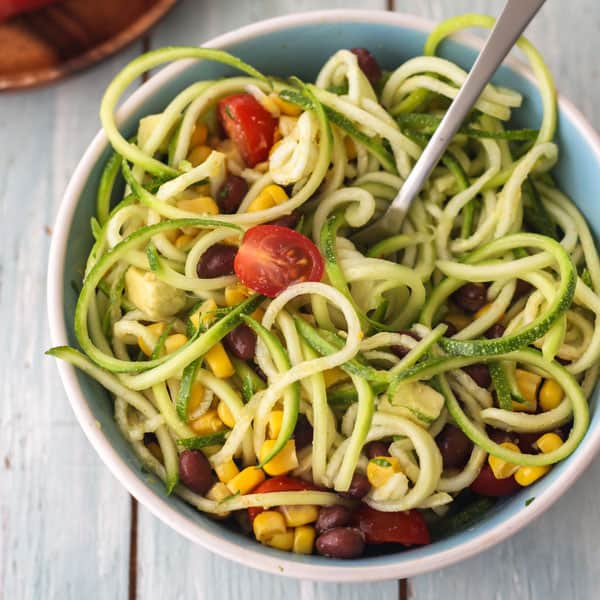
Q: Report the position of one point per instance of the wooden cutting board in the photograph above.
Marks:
(49, 43)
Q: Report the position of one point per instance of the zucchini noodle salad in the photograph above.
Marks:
(324, 396)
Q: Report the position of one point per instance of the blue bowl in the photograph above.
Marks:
(299, 45)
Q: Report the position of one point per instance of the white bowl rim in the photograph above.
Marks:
(252, 555)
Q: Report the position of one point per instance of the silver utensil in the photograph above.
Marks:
(513, 20)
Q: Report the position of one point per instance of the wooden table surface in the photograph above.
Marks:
(68, 530)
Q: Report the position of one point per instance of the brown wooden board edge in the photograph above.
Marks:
(47, 75)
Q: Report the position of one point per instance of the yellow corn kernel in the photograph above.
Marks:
(218, 492)
(196, 397)
(258, 314)
(528, 384)
(285, 107)
(206, 313)
(501, 468)
(304, 539)
(270, 196)
(274, 424)
(381, 468)
(174, 342)
(350, 148)
(218, 361)
(155, 450)
(209, 422)
(226, 471)
(198, 155)
(183, 241)
(333, 376)
(276, 139)
(172, 235)
(157, 329)
(527, 475)
(549, 442)
(202, 189)
(234, 294)
(203, 205)
(302, 514)
(283, 462)
(458, 319)
(246, 480)
(282, 541)
(225, 415)
(551, 395)
(199, 135)
(267, 524)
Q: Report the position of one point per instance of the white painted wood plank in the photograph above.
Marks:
(161, 552)
(64, 520)
(558, 555)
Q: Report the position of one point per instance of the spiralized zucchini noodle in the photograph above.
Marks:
(458, 354)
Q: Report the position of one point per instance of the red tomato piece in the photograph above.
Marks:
(249, 125)
(272, 257)
(408, 527)
(281, 483)
(486, 484)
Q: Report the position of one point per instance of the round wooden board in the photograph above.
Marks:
(49, 43)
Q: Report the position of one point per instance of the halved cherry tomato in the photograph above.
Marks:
(272, 257)
(249, 125)
(281, 483)
(486, 484)
(408, 527)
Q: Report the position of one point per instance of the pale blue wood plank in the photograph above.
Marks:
(202, 574)
(557, 556)
(64, 520)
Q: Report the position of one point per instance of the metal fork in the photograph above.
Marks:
(513, 20)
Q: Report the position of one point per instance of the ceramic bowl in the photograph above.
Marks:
(299, 45)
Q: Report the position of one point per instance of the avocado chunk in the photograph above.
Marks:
(415, 401)
(157, 299)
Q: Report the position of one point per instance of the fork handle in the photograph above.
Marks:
(513, 20)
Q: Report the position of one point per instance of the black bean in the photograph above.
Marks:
(480, 374)
(374, 449)
(368, 64)
(495, 331)
(525, 441)
(498, 435)
(303, 432)
(150, 438)
(231, 193)
(216, 261)
(455, 447)
(241, 342)
(402, 351)
(331, 517)
(289, 221)
(451, 329)
(341, 542)
(470, 297)
(194, 471)
(359, 487)
(521, 289)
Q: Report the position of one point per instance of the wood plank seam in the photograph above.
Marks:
(133, 531)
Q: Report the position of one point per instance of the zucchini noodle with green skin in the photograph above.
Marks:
(261, 361)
